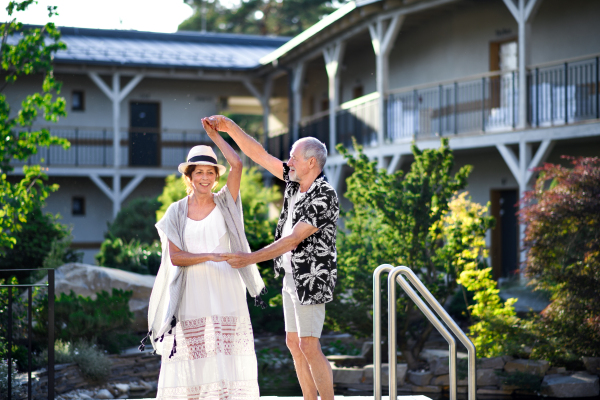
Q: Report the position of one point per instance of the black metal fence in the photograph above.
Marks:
(359, 121)
(317, 127)
(564, 93)
(9, 329)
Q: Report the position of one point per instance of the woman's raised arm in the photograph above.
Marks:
(235, 174)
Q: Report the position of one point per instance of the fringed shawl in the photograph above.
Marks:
(170, 281)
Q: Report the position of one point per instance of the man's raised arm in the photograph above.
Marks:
(248, 145)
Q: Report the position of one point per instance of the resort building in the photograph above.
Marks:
(511, 83)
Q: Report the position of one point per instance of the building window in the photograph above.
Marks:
(77, 100)
(357, 91)
(78, 206)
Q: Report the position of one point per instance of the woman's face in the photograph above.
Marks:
(203, 178)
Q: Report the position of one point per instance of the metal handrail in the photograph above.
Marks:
(393, 277)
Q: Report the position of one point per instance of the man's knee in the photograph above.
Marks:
(293, 343)
(310, 346)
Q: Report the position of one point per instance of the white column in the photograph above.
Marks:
(383, 35)
(333, 55)
(523, 14)
(116, 95)
(297, 80)
(263, 96)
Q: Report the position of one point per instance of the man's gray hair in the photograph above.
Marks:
(313, 148)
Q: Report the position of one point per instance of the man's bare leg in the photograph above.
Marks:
(309, 390)
(320, 368)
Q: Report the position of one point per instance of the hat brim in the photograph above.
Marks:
(222, 169)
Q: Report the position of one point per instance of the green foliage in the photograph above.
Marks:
(93, 362)
(61, 253)
(81, 318)
(259, 231)
(522, 380)
(563, 258)
(403, 220)
(34, 242)
(30, 56)
(4, 379)
(134, 256)
(280, 18)
(136, 221)
(337, 347)
(19, 322)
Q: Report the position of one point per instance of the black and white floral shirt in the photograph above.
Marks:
(314, 261)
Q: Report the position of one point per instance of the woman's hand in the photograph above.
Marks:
(220, 123)
(209, 128)
(217, 257)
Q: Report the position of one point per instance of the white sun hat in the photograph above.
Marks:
(202, 155)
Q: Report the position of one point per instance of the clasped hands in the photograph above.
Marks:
(236, 260)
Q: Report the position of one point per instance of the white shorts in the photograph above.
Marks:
(307, 320)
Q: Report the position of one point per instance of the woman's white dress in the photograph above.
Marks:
(215, 356)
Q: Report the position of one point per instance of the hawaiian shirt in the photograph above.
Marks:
(314, 260)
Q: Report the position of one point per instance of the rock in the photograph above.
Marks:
(430, 354)
(367, 351)
(592, 364)
(347, 361)
(426, 389)
(580, 384)
(493, 363)
(420, 378)
(441, 380)
(122, 387)
(536, 367)
(487, 377)
(385, 374)
(462, 389)
(495, 392)
(347, 375)
(103, 394)
(556, 370)
(87, 280)
(439, 366)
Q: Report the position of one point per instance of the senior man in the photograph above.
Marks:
(304, 249)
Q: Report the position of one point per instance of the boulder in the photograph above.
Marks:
(385, 374)
(494, 392)
(580, 384)
(420, 378)
(426, 389)
(347, 361)
(439, 366)
(87, 280)
(592, 364)
(493, 363)
(536, 367)
(487, 377)
(441, 380)
(347, 375)
(103, 394)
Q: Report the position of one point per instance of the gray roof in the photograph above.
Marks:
(170, 50)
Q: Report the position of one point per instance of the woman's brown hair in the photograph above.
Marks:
(187, 178)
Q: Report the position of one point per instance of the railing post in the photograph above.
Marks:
(537, 97)
(566, 95)
(50, 334)
(483, 104)
(514, 102)
(416, 111)
(29, 334)
(10, 316)
(597, 87)
(440, 110)
(456, 108)
(76, 147)
(104, 147)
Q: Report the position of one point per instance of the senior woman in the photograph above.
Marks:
(198, 306)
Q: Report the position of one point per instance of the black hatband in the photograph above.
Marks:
(203, 158)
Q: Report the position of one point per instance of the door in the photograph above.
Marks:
(505, 236)
(144, 135)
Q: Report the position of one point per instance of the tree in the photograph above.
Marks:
(30, 55)
(136, 221)
(399, 219)
(258, 17)
(562, 238)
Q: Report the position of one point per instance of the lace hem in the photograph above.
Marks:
(206, 337)
(223, 390)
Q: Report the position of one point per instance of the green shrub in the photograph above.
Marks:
(33, 243)
(134, 256)
(522, 380)
(100, 321)
(61, 253)
(135, 221)
(4, 379)
(93, 362)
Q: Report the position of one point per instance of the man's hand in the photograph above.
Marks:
(238, 260)
(209, 128)
(220, 123)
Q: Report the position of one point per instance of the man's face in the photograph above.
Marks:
(299, 167)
